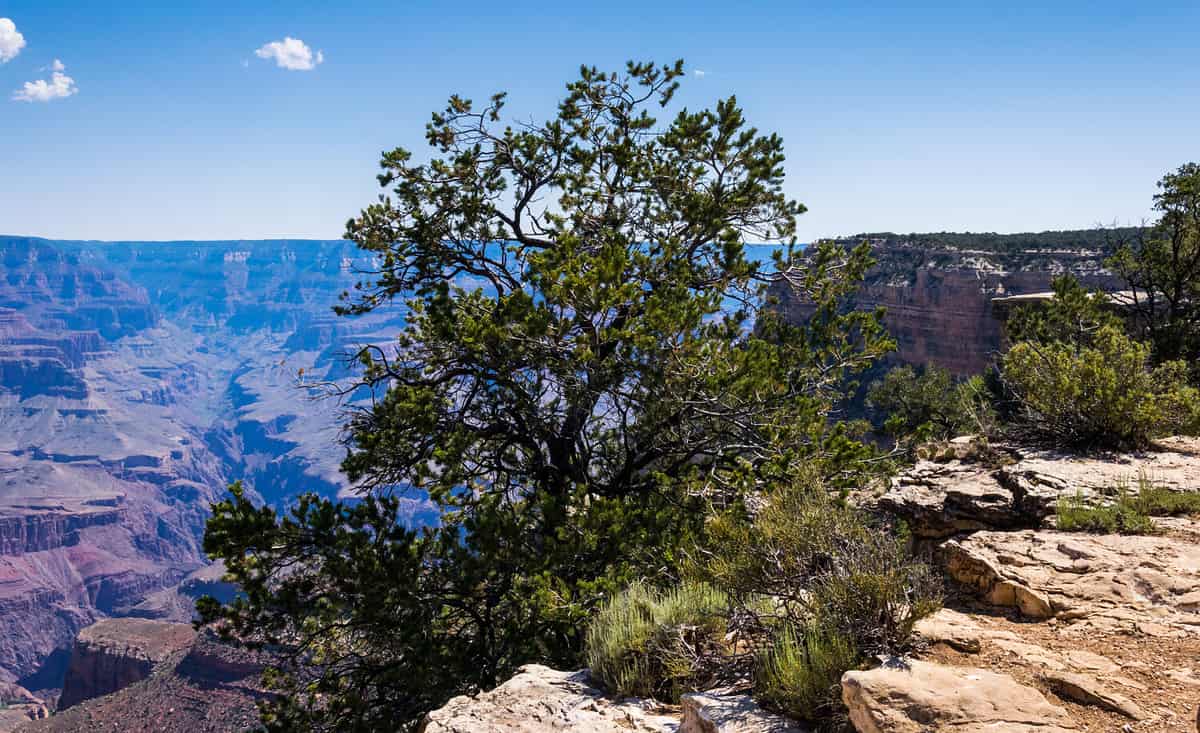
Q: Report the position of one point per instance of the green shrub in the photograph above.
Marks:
(822, 561)
(931, 405)
(800, 674)
(1102, 395)
(1074, 315)
(649, 643)
(824, 567)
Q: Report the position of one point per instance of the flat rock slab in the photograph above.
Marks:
(911, 696)
(1087, 690)
(959, 631)
(137, 638)
(1146, 583)
(940, 499)
(539, 699)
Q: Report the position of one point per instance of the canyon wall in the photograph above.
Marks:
(136, 381)
(938, 292)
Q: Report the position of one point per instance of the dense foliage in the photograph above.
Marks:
(929, 404)
(1098, 240)
(1074, 315)
(1162, 268)
(819, 585)
(1103, 393)
(587, 369)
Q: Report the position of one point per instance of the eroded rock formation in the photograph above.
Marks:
(114, 653)
(938, 295)
(136, 381)
(195, 683)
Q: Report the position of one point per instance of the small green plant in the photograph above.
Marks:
(1130, 513)
(800, 674)
(1076, 514)
(1159, 501)
(649, 643)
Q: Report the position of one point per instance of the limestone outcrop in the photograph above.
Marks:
(115, 653)
(940, 499)
(1105, 627)
(938, 296)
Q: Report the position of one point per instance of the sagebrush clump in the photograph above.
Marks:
(799, 673)
(659, 643)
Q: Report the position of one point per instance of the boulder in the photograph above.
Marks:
(905, 696)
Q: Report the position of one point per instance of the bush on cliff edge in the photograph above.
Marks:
(1101, 394)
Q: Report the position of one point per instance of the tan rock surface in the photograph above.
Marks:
(940, 499)
(959, 631)
(1134, 582)
(539, 699)
(914, 695)
(1088, 690)
(708, 713)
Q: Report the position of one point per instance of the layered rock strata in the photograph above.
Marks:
(938, 297)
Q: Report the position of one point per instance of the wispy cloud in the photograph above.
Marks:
(60, 86)
(291, 54)
(11, 40)
(700, 73)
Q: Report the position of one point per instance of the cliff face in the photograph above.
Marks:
(938, 296)
(138, 675)
(112, 654)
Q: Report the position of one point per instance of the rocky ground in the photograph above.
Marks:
(1043, 631)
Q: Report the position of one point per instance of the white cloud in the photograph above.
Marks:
(11, 40)
(291, 54)
(60, 86)
(700, 73)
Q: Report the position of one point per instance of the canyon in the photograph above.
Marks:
(138, 379)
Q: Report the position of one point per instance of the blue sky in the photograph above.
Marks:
(909, 117)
